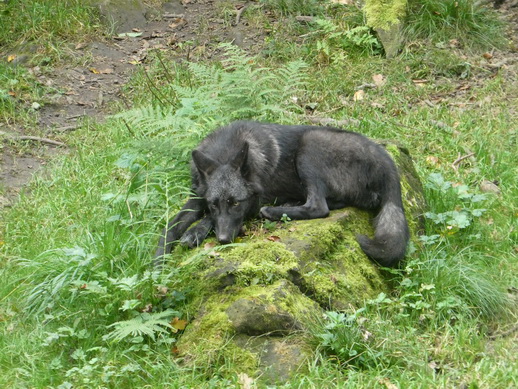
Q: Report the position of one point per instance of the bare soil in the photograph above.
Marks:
(88, 90)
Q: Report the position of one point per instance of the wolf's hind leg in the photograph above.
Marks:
(192, 210)
(195, 235)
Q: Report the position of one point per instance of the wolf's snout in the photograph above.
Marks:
(224, 239)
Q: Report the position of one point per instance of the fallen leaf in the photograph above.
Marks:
(177, 22)
(433, 160)
(434, 366)
(245, 381)
(129, 34)
(162, 290)
(359, 95)
(366, 335)
(274, 238)
(11, 93)
(379, 80)
(389, 385)
(11, 58)
(94, 71)
(179, 324)
(487, 55)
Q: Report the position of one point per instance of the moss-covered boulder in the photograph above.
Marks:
(255, 301)
(122, 15)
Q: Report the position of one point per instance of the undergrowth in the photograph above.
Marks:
(81, 306)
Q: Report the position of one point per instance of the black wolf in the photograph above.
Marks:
(238, 168)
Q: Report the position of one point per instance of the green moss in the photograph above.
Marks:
(384, 13)
(218, 348)
(261, 262)
(411, 189)
(215, 330)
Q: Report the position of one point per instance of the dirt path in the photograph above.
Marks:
(86, 91)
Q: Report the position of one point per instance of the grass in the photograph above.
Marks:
(472, 26)
(75, 249)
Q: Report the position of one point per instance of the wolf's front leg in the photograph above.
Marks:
(192, 210)
(194, 236)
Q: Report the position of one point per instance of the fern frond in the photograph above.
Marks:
(144, 324)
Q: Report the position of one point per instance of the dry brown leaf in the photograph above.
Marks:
(244, 381)
(274, 238)
(379, 80)
(179, 324)
(81, 45)
(389, 385)
(359, 95)
(177, 22)
(432, 160)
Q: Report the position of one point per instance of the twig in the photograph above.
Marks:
(460, 159)
(168, 75)
(152, 86)
(64, 128)
(128, 127)
(35, 139)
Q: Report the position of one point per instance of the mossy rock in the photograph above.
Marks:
(255, 302)
(123, 15)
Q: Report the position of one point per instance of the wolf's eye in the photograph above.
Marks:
(233, 203)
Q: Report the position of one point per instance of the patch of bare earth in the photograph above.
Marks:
(87, 90)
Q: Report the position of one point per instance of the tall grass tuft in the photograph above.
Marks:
(472, 25)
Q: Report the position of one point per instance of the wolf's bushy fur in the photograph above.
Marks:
(238, 168)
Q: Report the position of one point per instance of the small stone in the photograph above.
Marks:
(489, 187)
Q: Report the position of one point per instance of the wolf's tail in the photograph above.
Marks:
(391, 233)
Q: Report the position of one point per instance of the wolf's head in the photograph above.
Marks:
(230, 195)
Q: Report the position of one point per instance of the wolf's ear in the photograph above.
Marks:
(205, 164)
(239, 161)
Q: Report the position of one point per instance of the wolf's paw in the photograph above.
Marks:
(191, 239)
(265, 212)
